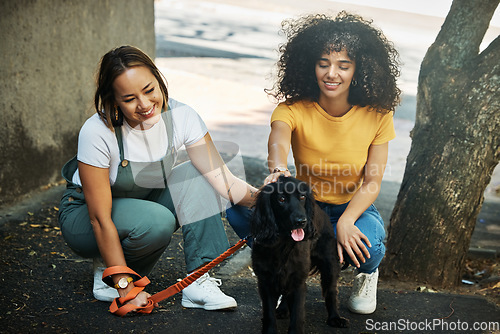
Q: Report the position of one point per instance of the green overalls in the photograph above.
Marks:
(146, 218)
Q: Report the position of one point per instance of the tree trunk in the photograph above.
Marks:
(455, 148)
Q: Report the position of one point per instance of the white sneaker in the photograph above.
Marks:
(205, 293)
(101, 290)
(363, 298)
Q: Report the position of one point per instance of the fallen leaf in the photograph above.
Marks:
(425, 289)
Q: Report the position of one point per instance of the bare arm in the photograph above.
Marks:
(97, 191)
(207, 160)
(278, 148)
(349, 236)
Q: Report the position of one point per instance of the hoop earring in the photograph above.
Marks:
(354, 82)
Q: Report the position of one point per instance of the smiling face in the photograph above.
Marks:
(138, 95)
(334, 73)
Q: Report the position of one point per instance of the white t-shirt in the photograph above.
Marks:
(98, 146)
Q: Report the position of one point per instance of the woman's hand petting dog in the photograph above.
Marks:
(293, 236)
(273, 177)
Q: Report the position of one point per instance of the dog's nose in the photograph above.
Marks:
(300, 221)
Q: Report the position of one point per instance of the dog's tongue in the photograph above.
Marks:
(298, 234)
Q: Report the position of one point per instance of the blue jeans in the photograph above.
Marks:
(238, 217)
(370, 223)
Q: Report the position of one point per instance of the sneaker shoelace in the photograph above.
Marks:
(361, 285)
(210, 283)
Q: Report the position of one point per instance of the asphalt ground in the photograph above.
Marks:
(48, 289)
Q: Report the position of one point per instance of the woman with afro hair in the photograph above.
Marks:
(336, 82)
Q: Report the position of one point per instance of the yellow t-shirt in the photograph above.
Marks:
(330, 152)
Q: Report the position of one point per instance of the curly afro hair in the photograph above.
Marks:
(377, 61)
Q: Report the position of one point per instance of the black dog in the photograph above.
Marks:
(293, 236)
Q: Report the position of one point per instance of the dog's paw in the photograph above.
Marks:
(338, 322)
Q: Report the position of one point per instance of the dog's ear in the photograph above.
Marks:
(311, 227)
(263, 224)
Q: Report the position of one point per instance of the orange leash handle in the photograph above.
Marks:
(141, 283)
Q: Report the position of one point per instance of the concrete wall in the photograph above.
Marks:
(49, 51)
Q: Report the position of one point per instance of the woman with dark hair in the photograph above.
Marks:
(337, 82)
(125, 196)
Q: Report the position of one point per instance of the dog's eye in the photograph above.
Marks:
(302, 197)
(281, 199)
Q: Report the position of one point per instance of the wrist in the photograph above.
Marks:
(280, 169)
(125, 292)
(345, 221)
(122, 282)
(113, 274)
